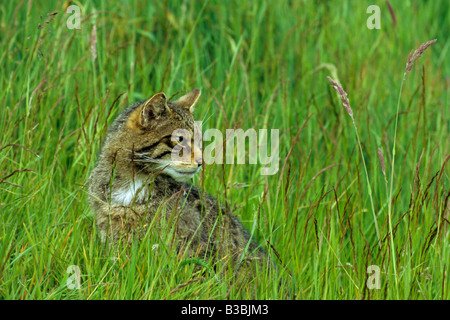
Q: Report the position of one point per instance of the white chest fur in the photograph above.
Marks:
(135, 191)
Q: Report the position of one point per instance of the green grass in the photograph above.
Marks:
(265, 64)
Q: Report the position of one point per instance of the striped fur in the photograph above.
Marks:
(135, 177)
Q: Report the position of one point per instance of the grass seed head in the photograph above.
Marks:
(343, 96)
(383, 166)
(414, 55)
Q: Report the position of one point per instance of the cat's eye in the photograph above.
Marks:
(176, 140)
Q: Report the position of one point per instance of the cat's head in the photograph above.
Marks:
(159, 136)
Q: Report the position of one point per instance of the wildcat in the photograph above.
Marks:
(136, 177)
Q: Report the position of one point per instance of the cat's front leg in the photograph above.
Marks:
(120, 223)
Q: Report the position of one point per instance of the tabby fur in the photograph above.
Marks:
(135, 178)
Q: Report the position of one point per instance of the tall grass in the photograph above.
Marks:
(413, 57)
(346, 103)
(61, 88)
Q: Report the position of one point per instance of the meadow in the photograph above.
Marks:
(327, 217)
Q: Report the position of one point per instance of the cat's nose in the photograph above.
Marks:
(199, 161)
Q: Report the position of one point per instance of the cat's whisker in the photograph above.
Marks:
(207, 118)
(163, 166)
(150, 160)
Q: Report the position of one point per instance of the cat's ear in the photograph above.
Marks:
(149, 110)
(188, 100)
(154, 107)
